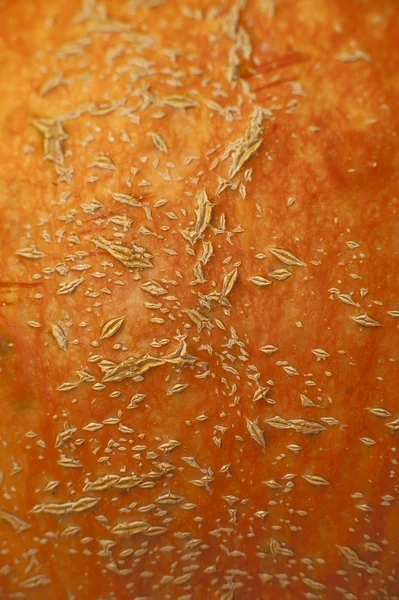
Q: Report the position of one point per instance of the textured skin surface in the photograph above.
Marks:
(236, 512)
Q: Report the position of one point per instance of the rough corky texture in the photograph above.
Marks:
(199, 300)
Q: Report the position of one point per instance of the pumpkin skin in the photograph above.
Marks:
(219, 421)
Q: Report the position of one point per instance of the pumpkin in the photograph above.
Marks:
(199, 300)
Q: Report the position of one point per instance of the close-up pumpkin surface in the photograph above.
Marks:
(199, 299)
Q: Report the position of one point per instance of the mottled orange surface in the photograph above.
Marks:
(215, 489)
